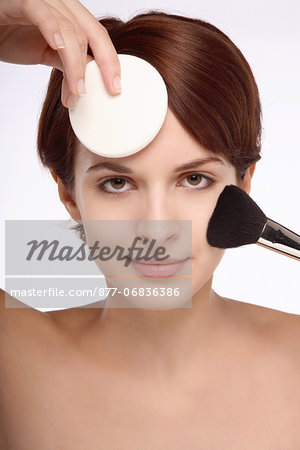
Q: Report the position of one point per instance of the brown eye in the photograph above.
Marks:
(114, 186)
(194, 179)
(118, 184)
(198, 180)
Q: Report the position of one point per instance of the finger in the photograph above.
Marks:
(74, 63)
(68, 99)
(51, 58)
(41, 15)
(100, 43)
(61, 9)
(106, 57)
(72, 56)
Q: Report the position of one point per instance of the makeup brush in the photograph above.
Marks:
(237, 220)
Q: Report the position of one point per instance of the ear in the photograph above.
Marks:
(67, 199)
(245, 184)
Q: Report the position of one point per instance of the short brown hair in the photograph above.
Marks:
(211, 89)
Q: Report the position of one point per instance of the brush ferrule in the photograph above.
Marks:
(280, 239)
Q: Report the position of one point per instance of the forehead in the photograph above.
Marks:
(172, 140)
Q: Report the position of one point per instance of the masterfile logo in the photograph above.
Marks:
(49, 265)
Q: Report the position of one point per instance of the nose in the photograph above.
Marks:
(162, 231)
(157, 203)
(158, 221)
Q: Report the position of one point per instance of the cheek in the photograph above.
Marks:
(201, 248)
(200, 219)
(90, 203)
(205, 257)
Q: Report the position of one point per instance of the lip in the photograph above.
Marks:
(159, 270)
(153, 261)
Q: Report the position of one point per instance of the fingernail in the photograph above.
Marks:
(72, 101)
(117, 84)
(58, 39)
(81, 87)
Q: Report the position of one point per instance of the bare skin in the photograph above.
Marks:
(66, 383)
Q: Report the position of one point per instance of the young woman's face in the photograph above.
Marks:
(152, 186)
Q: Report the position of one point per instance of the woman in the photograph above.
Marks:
(222, 374)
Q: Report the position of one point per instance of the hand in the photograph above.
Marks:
(56, 33)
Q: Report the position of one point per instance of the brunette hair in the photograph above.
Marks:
(211, 89)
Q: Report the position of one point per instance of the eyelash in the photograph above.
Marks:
(100, 186)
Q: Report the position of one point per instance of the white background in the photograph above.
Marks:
(268, 34)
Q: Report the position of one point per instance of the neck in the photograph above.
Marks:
(162, 342)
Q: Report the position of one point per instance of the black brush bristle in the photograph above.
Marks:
(237, 220)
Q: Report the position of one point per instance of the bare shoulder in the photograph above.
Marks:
(21, 320)
(13, 309)
(267, 325)
(264, 317)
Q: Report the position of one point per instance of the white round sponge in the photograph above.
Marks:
(121, 124)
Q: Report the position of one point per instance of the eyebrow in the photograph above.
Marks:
(119, 168)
